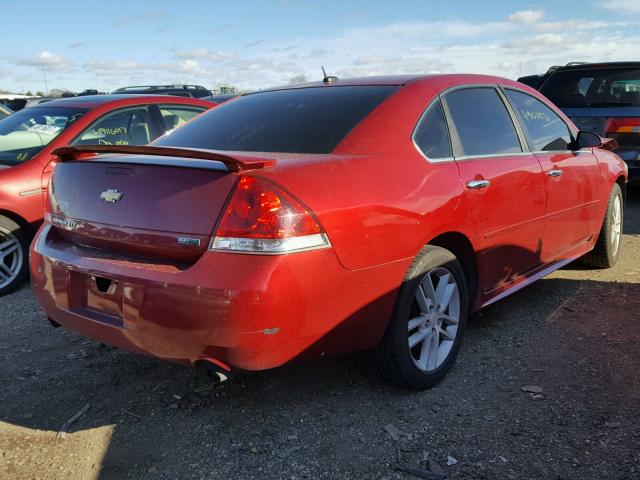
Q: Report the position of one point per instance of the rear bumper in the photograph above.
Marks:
(243, 311)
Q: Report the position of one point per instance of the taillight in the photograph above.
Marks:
(622, 125)
(261, 217)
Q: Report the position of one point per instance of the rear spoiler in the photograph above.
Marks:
(232, 163)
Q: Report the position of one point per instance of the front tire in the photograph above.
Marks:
(424, 335)
(14, 254)
(606, 252)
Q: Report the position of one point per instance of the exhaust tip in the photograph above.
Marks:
(217, 372)
(217, 376)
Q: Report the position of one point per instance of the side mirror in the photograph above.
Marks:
(587, 139)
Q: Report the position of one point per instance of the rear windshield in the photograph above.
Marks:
(23, 134)
(303, 120)
(594, 88)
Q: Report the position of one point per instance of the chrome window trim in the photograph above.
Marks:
(434, 160)
(520, 154)
(522, 136)
(417, 126)
(181, 106)
(525, 150)
(466, 86)
(547, 103)
(493, 155)
(573, 152)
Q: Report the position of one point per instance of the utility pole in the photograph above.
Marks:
(44, 74)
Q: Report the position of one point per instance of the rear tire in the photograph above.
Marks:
(14, 255)
(424, 335)
(606, 252)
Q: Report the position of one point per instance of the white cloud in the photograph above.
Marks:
(205, 54)
(415, 31)
(111, 66)
(525, 42)
(526, 16)
(49, 60)
(192, 67)
(507, 48)
(621, 6)
(577, 25)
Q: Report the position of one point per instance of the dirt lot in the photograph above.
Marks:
(576, 334)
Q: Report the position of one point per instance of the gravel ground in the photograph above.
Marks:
(575, 334)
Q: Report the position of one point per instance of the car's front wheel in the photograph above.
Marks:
(424, 334)
(14, 253)
(606, 252)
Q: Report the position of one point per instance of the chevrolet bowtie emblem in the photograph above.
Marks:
(111, 196)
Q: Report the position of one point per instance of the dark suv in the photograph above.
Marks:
(600, 97)
(194, 91)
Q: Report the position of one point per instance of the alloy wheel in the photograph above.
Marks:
(11, 257)
(435, 316)
(616, 225)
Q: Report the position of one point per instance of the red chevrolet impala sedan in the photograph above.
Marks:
(28, 137)
(325, 218)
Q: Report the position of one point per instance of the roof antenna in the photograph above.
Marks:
(327, 78)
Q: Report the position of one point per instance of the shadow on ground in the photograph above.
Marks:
(578, 339)
(325, 419)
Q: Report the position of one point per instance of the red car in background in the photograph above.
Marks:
(28, 137)
(329, 217)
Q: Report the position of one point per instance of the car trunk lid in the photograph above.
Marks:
(145, 205)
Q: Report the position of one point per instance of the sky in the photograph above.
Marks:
(259, 44)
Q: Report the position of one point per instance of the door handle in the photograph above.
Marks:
(555, 173)
(475, 184)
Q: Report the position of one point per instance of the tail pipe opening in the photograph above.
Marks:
(216, 370)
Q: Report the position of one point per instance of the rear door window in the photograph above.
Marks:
(175, 115)
(480, 123)
(543, 127)
(131, 126)
(432, 134)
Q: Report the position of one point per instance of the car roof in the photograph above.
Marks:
(596, 66)
(352, 81)
(398, 80)
(93, 101)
